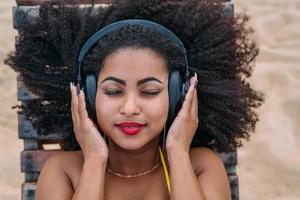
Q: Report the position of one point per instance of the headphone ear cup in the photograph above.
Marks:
(175, 87)
(90, 91)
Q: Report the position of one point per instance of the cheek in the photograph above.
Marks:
(104, 108)
(156, 111)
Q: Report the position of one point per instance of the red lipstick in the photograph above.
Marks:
(130, 128)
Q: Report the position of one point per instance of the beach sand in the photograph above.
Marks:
(269, 164)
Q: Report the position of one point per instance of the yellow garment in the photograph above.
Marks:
(165, 169)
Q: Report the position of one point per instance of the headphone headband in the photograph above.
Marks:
(117, 25)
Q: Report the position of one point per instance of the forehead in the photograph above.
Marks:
(133, 63)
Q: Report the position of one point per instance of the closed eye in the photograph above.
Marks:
(118, 92)
(110, 92)
(151, 93)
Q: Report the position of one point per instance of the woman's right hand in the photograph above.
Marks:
(91, 142)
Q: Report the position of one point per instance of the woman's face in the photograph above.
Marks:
(133, 86)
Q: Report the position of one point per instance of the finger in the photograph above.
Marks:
(73, 119)
(195, 99)
(196, 103)
(82, 106)
(74, 106)
(194, 106)
(71, 105)
(187, 104)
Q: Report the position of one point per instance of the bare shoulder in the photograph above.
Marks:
(211, 173)
(68, 158)
(71, 163)
(53, 181)
(57, 174)
(204, 158)
(65, 160)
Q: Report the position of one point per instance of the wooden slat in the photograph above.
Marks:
(26, 131)
(230, 170)
(28, 190)
(38, 2)
(229, 8)
(33, 161)
(31, 144)
(234, 187)
(23, 15)
(31, 176)
(23, 92)
(229, 158)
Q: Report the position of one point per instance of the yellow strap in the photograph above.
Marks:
(165, 169)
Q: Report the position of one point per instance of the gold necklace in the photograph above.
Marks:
(133, 175)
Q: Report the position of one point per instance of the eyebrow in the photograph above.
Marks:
(139, 82)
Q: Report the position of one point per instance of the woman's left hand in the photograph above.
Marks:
(184, 126)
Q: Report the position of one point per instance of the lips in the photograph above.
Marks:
(130, 128)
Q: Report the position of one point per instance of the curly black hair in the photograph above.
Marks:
(218, 45)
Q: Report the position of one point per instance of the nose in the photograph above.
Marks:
(131, 106)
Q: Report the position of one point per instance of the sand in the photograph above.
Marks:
(269, 164)
(10, 146)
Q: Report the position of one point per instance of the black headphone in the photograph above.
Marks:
(178, 83)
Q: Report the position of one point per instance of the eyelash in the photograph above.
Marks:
(115, 93)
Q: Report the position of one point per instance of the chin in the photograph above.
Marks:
(136, 143)
(129, 145)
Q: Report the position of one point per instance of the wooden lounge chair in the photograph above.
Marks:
(35, 151)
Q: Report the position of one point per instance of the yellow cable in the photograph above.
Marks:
(165, 169)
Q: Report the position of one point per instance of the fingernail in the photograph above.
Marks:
(71, 86)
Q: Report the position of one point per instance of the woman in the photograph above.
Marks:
(142, 157)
